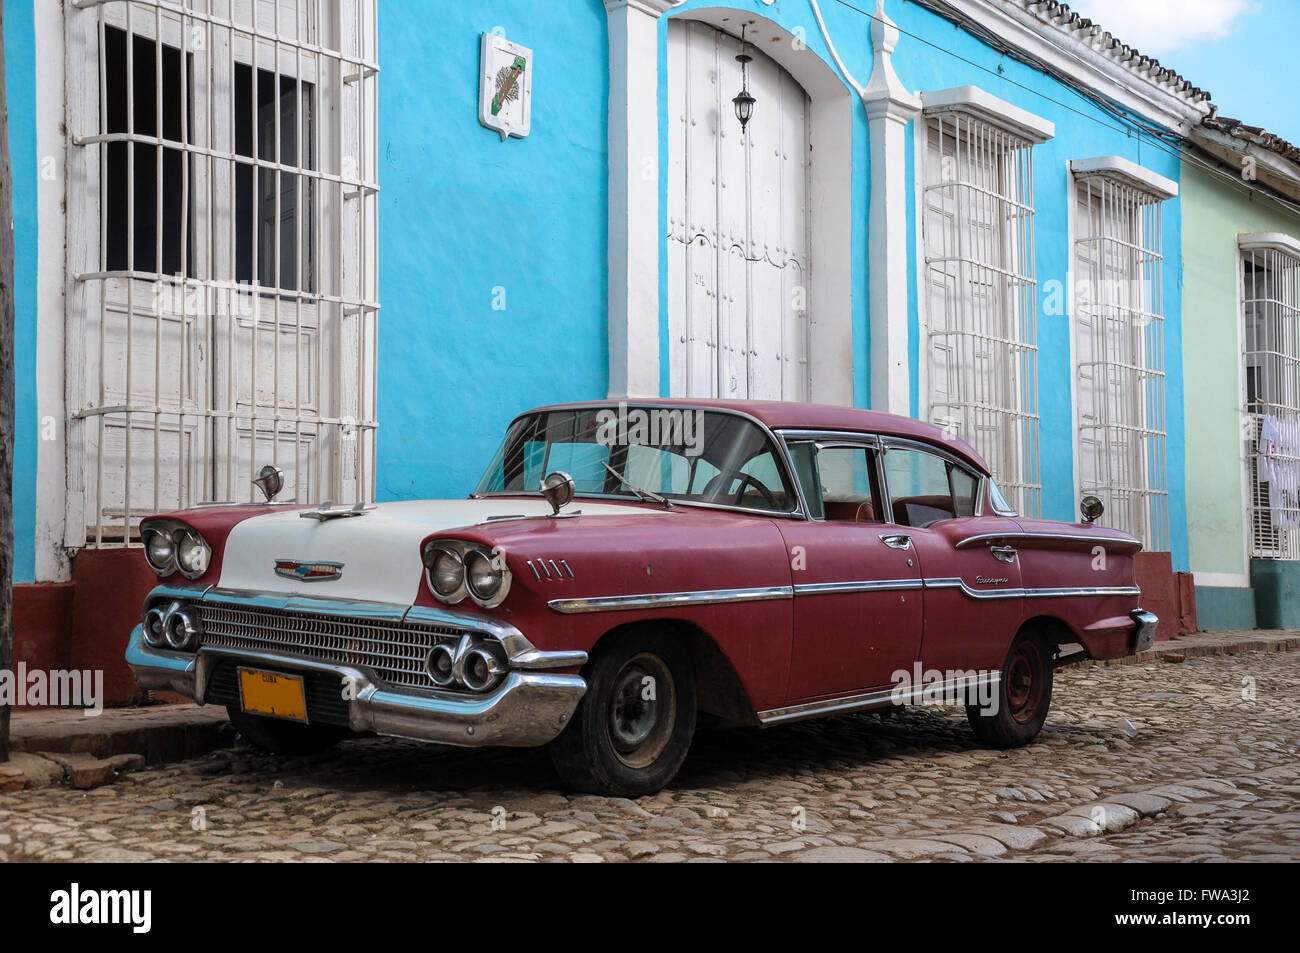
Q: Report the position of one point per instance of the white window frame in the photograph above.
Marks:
(988, 132)
(1280, 360)
(1139, 501)
(337, 53)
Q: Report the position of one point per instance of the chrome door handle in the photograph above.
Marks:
(1005, 553)
(896, 540)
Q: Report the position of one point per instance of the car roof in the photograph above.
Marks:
(792, 415)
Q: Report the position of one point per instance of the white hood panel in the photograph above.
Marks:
(380, 551)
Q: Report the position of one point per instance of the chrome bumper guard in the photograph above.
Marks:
(1144, 633)
(529, 708)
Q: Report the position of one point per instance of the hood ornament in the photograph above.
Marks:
(270, 480)
(326, 511)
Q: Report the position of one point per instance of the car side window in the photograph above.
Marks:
(838, 482)
(925, 488)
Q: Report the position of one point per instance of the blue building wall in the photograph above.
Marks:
(20, 96)
(462, 213)
(933, 54)
(464, 218)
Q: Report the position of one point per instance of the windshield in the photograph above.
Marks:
(687, 455)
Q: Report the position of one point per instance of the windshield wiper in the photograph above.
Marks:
(646, 496)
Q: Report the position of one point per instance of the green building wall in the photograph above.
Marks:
(1216, 209)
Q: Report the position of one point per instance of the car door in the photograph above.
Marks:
(857, 600)
(970, 563)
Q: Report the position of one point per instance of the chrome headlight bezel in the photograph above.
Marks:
(432, 554)
(194, 538)
(487, 599)
(465, 554)
(175, 534)
(152, 532)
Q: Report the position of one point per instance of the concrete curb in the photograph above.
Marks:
(1209, 643)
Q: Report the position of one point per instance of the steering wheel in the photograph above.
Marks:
(715, 487)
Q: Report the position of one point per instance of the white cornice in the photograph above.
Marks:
(654, 8)
(982, 105)
(1269, 168)
(1029, 31)
(1273, 241)
(1128, 173)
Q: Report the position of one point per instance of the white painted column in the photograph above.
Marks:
(51, 202)
(890, 107)
(634, 233)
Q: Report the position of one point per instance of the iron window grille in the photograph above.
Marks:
(1270, 279)
(222, 293)
(1118, 314)
(980, 351)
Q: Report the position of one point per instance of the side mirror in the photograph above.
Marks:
(1091, 507)
(558, 489)
(270, 480)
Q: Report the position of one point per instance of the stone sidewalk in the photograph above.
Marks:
(51, 746)
(1198, 761)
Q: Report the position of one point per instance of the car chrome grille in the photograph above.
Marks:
(393, 652)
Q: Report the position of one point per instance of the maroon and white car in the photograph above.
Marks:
(622, 571)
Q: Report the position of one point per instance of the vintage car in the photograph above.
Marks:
(624, 570)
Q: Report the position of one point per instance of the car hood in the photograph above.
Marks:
(379, 550)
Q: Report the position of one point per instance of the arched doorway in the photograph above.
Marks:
(739, 235)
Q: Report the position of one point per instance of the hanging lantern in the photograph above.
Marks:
(743, 101)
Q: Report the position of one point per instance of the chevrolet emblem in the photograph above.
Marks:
(308, 571)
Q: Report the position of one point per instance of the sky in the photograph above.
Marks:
(1244, 52)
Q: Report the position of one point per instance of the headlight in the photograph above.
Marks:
(487, 584)
(155, 627)
(445, 571)
(481, 670)
(160, 550)
(193, 554)
(174, 547)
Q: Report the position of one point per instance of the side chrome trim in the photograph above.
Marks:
(876, 699)
(955, 582)
(705, 597)
(1129, 541)
(652, 600)
(882, 585)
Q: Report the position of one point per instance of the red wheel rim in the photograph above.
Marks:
(1024, 682)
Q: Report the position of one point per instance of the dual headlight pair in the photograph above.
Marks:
(174, 547)
(455, 569)
(174, 626)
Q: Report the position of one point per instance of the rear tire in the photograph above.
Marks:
(284, 737)
(633, 728)
(1023, 697)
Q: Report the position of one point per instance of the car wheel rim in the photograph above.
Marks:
(1024, 682)
(642, 711)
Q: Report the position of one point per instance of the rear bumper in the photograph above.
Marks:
(1144, 632)
(529, 708)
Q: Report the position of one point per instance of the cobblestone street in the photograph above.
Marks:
(1156, 761)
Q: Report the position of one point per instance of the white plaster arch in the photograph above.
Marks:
(635, 233)
(830, 121)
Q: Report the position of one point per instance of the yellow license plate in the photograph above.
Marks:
(274, 694)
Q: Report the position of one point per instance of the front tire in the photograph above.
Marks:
(1023, 696)
(633, 728)
(284, 737)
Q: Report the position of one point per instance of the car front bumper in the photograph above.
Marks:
(528, 708)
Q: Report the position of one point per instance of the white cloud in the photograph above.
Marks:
(1157, 27)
